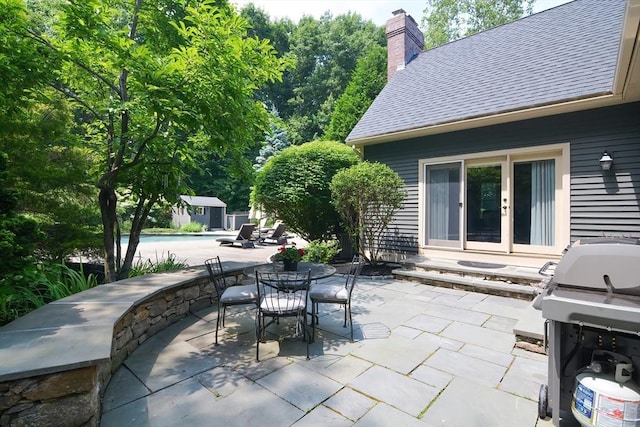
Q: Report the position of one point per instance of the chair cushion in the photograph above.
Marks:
(242, 294)
(329, 293)
(283, 302)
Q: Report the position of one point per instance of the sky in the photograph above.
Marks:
(376, 10)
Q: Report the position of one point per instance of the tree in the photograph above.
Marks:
(369, 77)
(17, 232)
(276, 140)
(367, 196)
(294, 186)
(46, 167)
(157, 85)
(448, 20)
(326, 51)
(274, 94)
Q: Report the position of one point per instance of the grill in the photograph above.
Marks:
(592, 335)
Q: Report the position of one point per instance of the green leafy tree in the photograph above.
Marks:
(448, 20)
(47, 168)
(369, 77)
(326, 52)
(157, 84)
(17, 232)
(294, 186)
(367, 196)
(274, 94)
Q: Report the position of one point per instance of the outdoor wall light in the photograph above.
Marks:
(606, 161)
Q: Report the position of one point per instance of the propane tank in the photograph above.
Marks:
(604, 396)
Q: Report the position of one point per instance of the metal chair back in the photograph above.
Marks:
(282, 294)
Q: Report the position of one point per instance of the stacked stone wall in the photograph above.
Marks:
(72, 397)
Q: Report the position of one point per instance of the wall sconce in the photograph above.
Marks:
(606, 161)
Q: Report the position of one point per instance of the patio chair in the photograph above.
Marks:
(276, 237)
(228, 295)
(336, 294)
(244, 237)
(282, 294)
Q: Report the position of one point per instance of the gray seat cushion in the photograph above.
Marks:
(240, 294)
(329, 293)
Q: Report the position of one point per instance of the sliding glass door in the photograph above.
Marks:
(486, 206)
(443, 187)
(505, 203)
(534, 200)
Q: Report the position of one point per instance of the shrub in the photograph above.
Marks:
(367, 196)
(321, 251)
(38, 285)
(161, 265)
(293, 186)
(192, 227)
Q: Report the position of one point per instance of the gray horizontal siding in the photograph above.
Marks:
(601, 204)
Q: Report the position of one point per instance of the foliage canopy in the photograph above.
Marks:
(448, 20)
(367, 196)
(294, 187)
(156, 86)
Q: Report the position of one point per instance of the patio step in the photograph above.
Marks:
(493, 279)
(468, 283)
(477, 270)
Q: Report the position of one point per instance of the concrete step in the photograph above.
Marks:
(480, 270)
(529, 330)
(468, 283)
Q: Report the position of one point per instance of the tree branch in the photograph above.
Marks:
(66, 91)
(80, 64)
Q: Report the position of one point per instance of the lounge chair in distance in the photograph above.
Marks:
(276, 237)
(243, 239)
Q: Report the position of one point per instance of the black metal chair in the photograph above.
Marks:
(336, 294)
(228, 295)
(282, 294)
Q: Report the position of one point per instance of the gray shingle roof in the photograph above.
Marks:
(561, 54)
(204, 201)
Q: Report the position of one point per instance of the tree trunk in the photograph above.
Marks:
(107, 200)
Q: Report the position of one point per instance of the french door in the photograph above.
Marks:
(487, 208)
(503, 204)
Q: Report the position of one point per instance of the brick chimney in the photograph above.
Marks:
(404, 41)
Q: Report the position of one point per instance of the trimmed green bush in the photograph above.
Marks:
(367, 196)
(322, 252)
(293, 186)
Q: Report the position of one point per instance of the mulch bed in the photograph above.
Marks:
(382, 269)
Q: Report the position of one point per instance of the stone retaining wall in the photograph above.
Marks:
(71, 397)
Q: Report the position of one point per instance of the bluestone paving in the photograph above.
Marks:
(524, 377)
(432, 376)
(483, 337)
(428, 323)
(300, 386)
(461, 365)
(483, 353)
(129, 389)
(499, 323)
(421, 354)
(383, 415)
(468, 403)
(400, 391)
(159, 365)
(350, 403)
(322, 417)
(453, 313)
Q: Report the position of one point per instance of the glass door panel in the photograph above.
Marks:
(443, 205)
(484, 192)
(534, 203)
